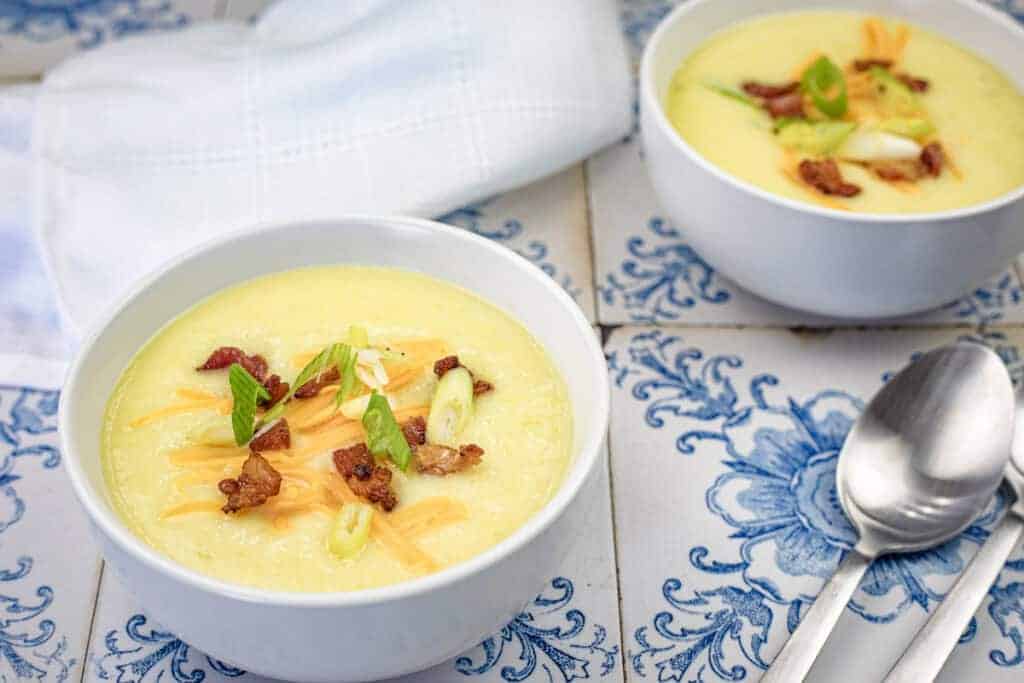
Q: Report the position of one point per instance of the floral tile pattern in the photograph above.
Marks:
(35, 35)
(544, 222)
(569, 632)
(724, 445)
(723, 448)
(44, 608)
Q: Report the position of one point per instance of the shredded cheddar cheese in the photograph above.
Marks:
(192, 401)
(309, 486)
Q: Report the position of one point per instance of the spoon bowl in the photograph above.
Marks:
(921, 462)
(929, 451)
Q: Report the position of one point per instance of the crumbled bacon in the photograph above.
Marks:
(346, 459)
(257, 482)
(225, 356)
(824, 176)
(313, 386)
(769, 91)
(277, 390)
(376, 489)
(932, 158)
(442, 366)
(791, 105)
(365, 477)
(277, 438)
(896, 170)
(442, 460)
(915, 84)
(928, 163)
(445, 364)
(415, 431)
(870, 63)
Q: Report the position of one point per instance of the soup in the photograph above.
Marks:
(851, 112)
(333, 429)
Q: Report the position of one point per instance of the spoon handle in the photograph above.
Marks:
(802, 648)
(933, 644)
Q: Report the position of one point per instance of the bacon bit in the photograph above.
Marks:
(791, 105)
(276, 438)
(442, 366)
(765, 91)
(441, 460)
(915, 84)
(277, 390)
(415, 431)
(253, 487)
(445, 364)
(313, 386)
(932, 158)
(365, 477)
(346, 459)
(896, 171)
(871, 62)
(225, 356)
(824, 176)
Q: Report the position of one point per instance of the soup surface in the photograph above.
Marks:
(889, 118)
(170, 442)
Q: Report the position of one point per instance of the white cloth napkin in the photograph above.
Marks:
(146, 147)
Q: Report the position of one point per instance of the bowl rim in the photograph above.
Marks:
(649, 101)
(587, 455)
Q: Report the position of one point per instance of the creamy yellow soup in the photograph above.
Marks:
(161, 469)
(976, 112)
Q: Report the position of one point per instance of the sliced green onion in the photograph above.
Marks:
(896, 99)
(917, 128)
(246, 390)
(821, 78)
(383, 435)
(345, 361)
(451, 408)
(733, 94)
(351, 530)
(818, 137)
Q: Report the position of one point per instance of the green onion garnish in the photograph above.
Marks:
(345, 360)
(246, 390)
(821, 78)
(733, 94)
(383, 435)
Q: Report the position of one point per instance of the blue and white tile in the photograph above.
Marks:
(35, 35)
(48, 567)
(569, 632)
(724, 445)
(647, 273)
(547, 223)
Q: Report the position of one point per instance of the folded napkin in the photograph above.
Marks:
(146, 147)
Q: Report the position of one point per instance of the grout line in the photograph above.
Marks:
(92, 622)
(806, 329)
(606, 333)
(588, 210)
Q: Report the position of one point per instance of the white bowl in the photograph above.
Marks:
(813, 258)
(363, 635)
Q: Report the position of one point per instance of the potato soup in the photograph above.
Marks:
(334, 429)
(852, 112)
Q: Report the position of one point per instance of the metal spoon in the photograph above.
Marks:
(935, 642)
(919, 465)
